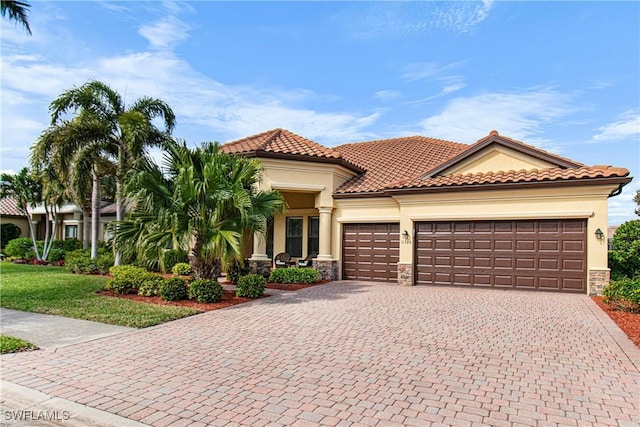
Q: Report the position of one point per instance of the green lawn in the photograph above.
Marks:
(10, 344)
(53, 290)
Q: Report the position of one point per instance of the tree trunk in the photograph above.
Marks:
(119, 208)
(86, 227)
(203, 268)
(95, 214)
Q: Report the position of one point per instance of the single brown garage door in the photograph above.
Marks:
(370, 251)
(545, 255)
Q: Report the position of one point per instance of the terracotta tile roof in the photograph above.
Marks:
(9, 207)
(391, 160)
(512, 176)
(280, 141)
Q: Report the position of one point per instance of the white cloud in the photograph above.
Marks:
(519, 115)
(409, 19)
(627, 126)
(165, 33)
(622, 207)
(387, 95)
(429, 70)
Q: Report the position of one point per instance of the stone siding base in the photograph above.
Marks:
(405, 274)
(598, 280)
(261, 267)
(328, 270)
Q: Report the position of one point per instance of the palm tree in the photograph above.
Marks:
(26, 191)
(202, 205)
(17, 11)
(123, 132)
(75, 148)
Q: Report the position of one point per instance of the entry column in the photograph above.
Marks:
(325, 234)
(260, 263)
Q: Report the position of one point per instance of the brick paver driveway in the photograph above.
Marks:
(359, 353)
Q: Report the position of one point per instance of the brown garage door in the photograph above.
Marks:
(370, 251)
(545, 255)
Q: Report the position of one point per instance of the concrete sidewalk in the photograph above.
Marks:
(48, 331)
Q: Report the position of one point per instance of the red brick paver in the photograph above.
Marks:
(351, 353)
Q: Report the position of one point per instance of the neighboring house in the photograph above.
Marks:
(611, 230)
(70, 221)
(10, 214)
(423, 211)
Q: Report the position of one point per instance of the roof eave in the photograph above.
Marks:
(300, 157)
(619, 181)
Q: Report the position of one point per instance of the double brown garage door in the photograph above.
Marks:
(540, 255)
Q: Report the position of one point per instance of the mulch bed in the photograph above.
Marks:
(229, 298)
(628, 322)
(294, 287)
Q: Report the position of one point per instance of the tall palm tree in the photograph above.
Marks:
(75, 149)
(124, 132)
(17, 11)
(202, 205)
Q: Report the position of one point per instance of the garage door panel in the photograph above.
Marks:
(371, 251)
(531, 254)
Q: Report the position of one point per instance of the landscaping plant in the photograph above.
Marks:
(173, 289)
(205, 290)
(251, 286)
(126, 278)
(151, 286)
(624, 259)
(305, 275)
(236, 270)
(623, 294)
(181, 269)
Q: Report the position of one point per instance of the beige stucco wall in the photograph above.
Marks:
(21, 222)
(497, 158)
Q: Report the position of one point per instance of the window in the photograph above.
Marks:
(294, 236)
(70, 231)
(313, 241)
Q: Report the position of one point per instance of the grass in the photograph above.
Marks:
(53, 290)
(13, 345)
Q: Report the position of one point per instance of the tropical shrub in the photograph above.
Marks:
(294, 275)
(71, 245)
(80, 262)
(624, 259)
(623, 294)
(205, 290)
(56, 255)
(151, 286)
(171, 257)
(19, 247)
(173, 289)
(181, 269)
(251, 286)
(8, 232)
(236, 270)
(126, 278)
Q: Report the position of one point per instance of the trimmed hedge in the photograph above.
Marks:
(171, 257)
(151, 286)
(19, 247)
(251, 286)
(126, 278)
(173, 289)
(80, 262)
(236, 270)
(205, 291)
(294, 275)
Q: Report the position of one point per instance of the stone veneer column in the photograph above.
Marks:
(598, 280)
(260, 263)
(405, 274)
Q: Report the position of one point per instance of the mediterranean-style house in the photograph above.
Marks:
(421, 211)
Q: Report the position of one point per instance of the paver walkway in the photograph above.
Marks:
(351, 353)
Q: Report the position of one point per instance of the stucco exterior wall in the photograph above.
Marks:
(21, 222)
(497, 158)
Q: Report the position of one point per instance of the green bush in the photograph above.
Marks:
(80, 262)
(172, 257)
(623, 294)
(624, 259)
(205, 290)
(181, 269)
(126, 278)
(251, 286)
(236, 270)
(71, 245)
(56, 254)
(294, 275)
(19, 247)
(8, 232)
(151, 286)
(173, 289)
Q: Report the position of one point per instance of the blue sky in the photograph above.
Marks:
(564, 76)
